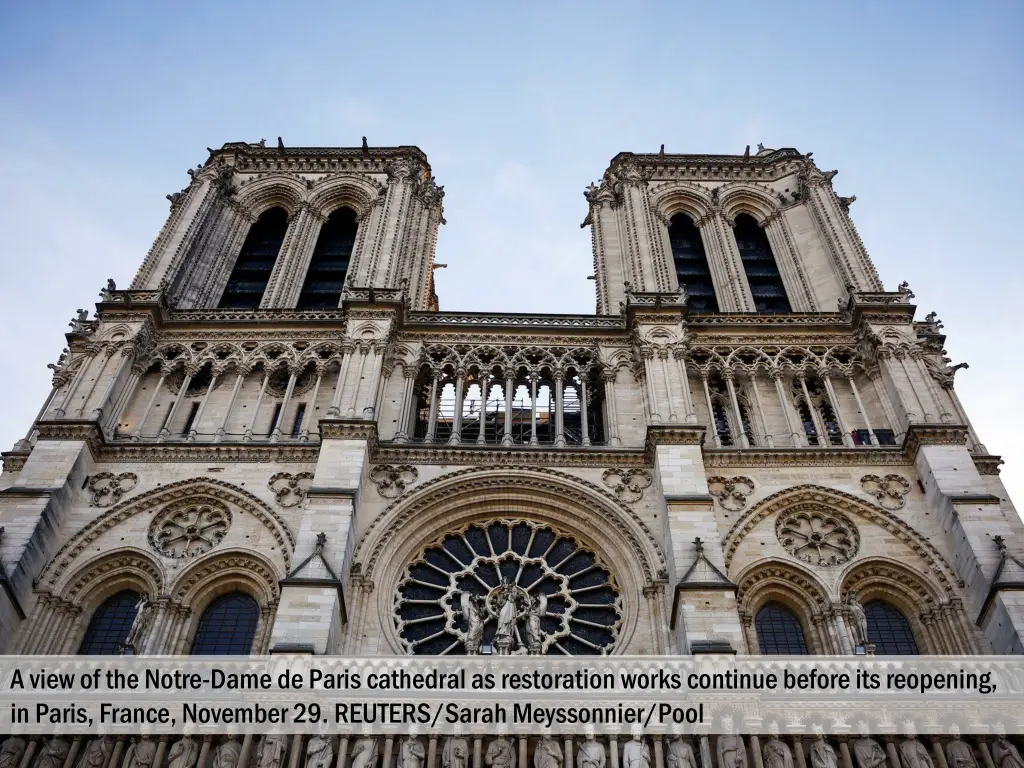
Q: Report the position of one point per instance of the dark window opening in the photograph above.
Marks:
(109, 626)
(325, 277)
(808, 421)
(722, 427)
(256, 261)
(691, 264)
(300, 413)
(191, 419)
(885, 436)
(759, 264)
(779, 631)
(228, 627)
(889, 630)
(274, 418)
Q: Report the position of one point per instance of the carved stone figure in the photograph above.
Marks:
(11, 752)
(777, 753)
(364, 752)
(411, 753)
(319, 752)
(958, 752)
(858, 620)
(914, 754)
(868, 752)
(183, 753)
(501, 753)
(822, 754)
(270, 753)
(54, 753)
(227, 754)
(475, 612)
(680, 754)
(534, 634)
(508, 612)
(591, 753)
(143, 614)
(1005, 755)
(636, 753)
(456, 752)
(548, 754)
(97, 753)
(731, 752)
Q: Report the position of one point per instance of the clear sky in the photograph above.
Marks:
(103, 106)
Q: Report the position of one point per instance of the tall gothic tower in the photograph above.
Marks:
(273, 440)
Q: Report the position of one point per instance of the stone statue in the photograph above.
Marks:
(270, 753)
(914, 754)
(11, 752)
(97, 753)
(501, 752)
(636, 753)
(508, 612)
(143, 613)
(183, 753)
(411, 753)
(476, 614)
(227, 754)
(591, 753)
(868, 752)
(858, 620)
(364, 752)
(1004, 754)
(319, 752)
(777, 753)
(53, 754)
(456, 751)
(141, 753)
(534, 634)
(958, 752)
(822, 754)
(680, 754)
(731, 752)
(547, 754)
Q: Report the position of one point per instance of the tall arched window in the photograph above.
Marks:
(329, 265)
(256, 261)
(779, 631)
(759, 263)
(108, 627)
(227, 627)
(889, 630)
(691, 263)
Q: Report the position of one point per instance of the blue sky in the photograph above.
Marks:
(103, 106)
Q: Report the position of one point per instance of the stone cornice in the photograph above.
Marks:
(470, 454)
(14, 461)
(348, 429)
(932, 434)
(806, 457)
(491, 320)
(986, 465)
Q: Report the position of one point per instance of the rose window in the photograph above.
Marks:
(189, 530)
(508, 587)
(820, 538)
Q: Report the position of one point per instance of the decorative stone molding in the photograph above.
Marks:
(729, 491)
(189, 528)
(628, 484)
(891, 490)
(107, 488)
(391, 481)
(290, 490)
(818, 537)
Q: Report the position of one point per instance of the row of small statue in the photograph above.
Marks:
(501, 752)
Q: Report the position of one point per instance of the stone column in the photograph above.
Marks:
(914, 390)
(608, 377)
(844, 751)
(76, 746)
(768, 439)
(509, 383)
(940, 756)
(755, 750)
(847, 437)
(432, 752)
(364, 351)
(137, 434)
(341, 760)
(613, 748)
(126, 396)
(377, 368)
(161, 750)
(107, 354)
(819, 427)
(583, 408)
(389, 746)
(742, 440)
(711, 411)
(275, 432)
(680, 356)
(663, 365)
(986, 754)
(165, 431)
(402, 433)
(860, 405)
(311, 411)
(460, 383)
(890, 749)
(478, 747)
(256, 409)
(222, 429)
(798, 752)
(481, 437)
(567, 751)
(335, 410)
(659, 751)
(533, 410)
(194, 429)
(245, 752)
(523, 746)
(559, 410)
(73, 386)
(432, 415)
(648, 354)
(798, 437)
(204, 752)
(295, 752)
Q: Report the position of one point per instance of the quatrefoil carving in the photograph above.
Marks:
(891, 490)
(107, 488)
(628, 484)
(290, 490)
(392, 481)
(731, 492)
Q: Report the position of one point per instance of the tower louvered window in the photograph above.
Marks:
(329, 265)
(760, 267)
(256, 261)
(691, 263)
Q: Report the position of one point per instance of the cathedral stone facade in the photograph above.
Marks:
(275, 441)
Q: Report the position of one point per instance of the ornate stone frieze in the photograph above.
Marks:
(290, 490)
(505, 456)
(731, 492)
(628, 484)
(189, 528)
(818, 536)
(728, 458)
(107, 488)
(391, 481)
(891, 490)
